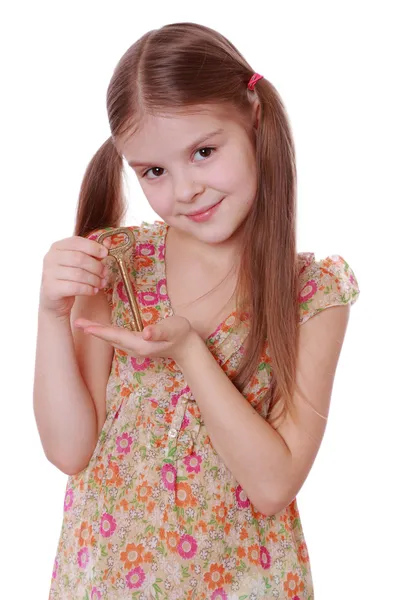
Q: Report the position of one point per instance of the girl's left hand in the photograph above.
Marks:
(170, 338)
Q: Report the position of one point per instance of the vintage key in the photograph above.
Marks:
(118, 253)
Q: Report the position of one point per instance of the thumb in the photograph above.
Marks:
(155, 333)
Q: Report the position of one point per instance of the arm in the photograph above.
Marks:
(71, 373)
(270, 465)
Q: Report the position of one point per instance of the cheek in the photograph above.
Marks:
(158, 200)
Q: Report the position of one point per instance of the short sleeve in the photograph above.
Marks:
(109, 262)
(324, 283)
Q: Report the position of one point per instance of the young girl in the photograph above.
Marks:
(187, 443)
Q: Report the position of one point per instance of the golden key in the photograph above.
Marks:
(118, 253)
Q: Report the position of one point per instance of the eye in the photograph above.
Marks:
(155, 169)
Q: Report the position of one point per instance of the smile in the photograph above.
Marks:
(204, 215)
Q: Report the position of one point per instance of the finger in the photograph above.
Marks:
(155, 333)
(114, 335)
(82, 323)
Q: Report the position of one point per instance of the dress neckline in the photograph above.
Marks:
(210, 340)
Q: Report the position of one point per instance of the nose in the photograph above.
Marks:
(185, 189)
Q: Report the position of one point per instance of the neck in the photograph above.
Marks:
(226, 253)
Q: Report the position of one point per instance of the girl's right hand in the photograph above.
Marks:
(72, 267)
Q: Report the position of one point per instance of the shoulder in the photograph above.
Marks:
(145, 232)
(323, 283)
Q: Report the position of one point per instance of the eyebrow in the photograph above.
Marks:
(134, 163)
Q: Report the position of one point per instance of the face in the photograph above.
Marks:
(184, 170)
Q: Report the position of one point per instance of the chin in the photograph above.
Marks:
(215, 234)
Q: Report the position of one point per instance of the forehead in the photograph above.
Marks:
(174, 130)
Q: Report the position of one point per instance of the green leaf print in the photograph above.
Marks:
(149, 528)
(123, 359)
(143, 452)
(138, 376)
(86, 595)
(172, 451)
(157, 588)
(243, 597)
(181, 478)
(103, 550)
(161, 549)
(267, 584)
(242, 566)
(185, 572)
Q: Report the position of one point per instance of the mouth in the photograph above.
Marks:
(204, 211)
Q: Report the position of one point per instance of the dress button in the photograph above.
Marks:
(172, 433)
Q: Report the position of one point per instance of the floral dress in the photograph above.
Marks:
(156, 514)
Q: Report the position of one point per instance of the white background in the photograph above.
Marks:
(334, 65)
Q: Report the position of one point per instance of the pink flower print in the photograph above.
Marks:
(140, 364)
(124, 442)
(83, 557)
(175, 397)
(55, 569)
(187, 546)
(68, 499)
(135, 578)
(185, 422)
(265, 558)
(219, 594)
(193, 463)
(121, 292)
(95, 594)
(148, 298)
(241, 497)
(145, 249)
(161, 252)
(304, 296)
(168, 474)
(162, 289)
(108, 525)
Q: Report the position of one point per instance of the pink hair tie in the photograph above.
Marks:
(253, 80)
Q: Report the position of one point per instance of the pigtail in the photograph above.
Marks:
(269, 260)
(101, 200)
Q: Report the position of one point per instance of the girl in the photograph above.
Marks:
(186, 444)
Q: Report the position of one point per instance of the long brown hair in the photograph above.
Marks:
(184, 65)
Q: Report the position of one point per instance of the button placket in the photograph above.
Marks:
(176, 424)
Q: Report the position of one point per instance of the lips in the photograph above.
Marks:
(203, 210)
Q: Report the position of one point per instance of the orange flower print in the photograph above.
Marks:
(84, 535)
(215, 576)
(150, 315)
(144, 492)
(98, 473)
(303, 553)
(172, 540)
(253, 553)
(143, 262)
(132, 555)
(220, 513)
(112, 475)
(184, 496)
(293, 586)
